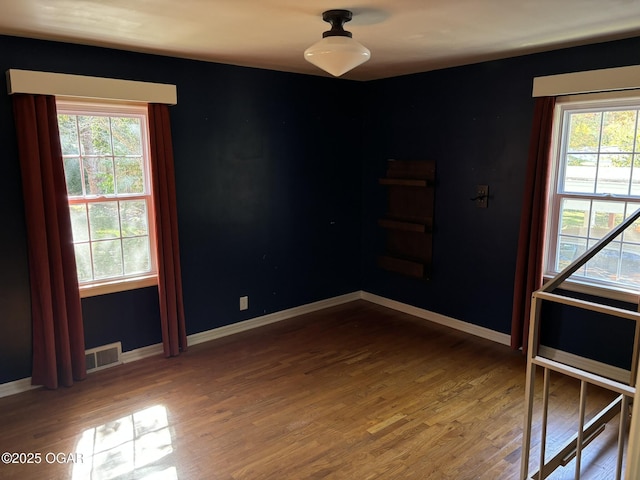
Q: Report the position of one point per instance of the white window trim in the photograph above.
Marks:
(118, 284)
(578, 285)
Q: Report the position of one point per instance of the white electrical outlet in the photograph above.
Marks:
(244, 303)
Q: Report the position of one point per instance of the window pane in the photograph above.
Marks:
(73, 176)
(79, 223)
(635, 179)
(129, 175)
(133, 214)
(604, 266)
(68, 134)
(95, 137)
(98, 176)
(630, 267)
(614, 173)
(569, 248)
(126, 136)
(580, 172)
(618, 131)
(605, 216)
(107, 259)
(574, 217)
(137, 258)
(83, 262)
(632, 234)
(584, 132)
(104, 220)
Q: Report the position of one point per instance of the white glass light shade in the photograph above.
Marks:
(337, 54)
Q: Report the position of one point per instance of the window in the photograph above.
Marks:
(595, 186)
(106, 165)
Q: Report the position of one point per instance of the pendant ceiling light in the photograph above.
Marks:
(337, 52)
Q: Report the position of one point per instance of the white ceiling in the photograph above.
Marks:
(404, 36)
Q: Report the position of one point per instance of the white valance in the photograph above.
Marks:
(605, 80)
(97, 88)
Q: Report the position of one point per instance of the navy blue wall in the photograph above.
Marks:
(474, 121)
(589, 334)
(475, 125)
(268, 187)
(278, 195)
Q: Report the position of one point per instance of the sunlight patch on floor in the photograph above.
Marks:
(135, 445)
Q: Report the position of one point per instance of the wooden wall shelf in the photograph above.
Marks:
(409, 218)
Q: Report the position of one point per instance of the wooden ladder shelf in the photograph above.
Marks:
(409, 218)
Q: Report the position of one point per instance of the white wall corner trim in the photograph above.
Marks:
(440, 319)
(592, 81)
(95, 88)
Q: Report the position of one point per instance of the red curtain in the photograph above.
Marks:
(529, 268)
(57, 330)
(174, 336)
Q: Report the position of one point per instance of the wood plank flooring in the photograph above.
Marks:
(352, 392)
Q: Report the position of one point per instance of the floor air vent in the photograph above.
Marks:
(103, 357)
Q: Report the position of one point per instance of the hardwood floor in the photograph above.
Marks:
(352, 392)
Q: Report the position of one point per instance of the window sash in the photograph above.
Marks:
(125, 281)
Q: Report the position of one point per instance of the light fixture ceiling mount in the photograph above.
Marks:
(337, 19)
(337, 52)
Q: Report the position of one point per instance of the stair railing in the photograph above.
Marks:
(586, 431)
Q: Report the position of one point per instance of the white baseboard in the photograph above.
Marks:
(201, 337)
(17, 386)
(587, 364)
(219, 332)
(140, 353)
(470, 328)
(24, 384)
(593, 366)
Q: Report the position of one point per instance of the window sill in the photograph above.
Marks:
(619, 294)
(120, 285)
